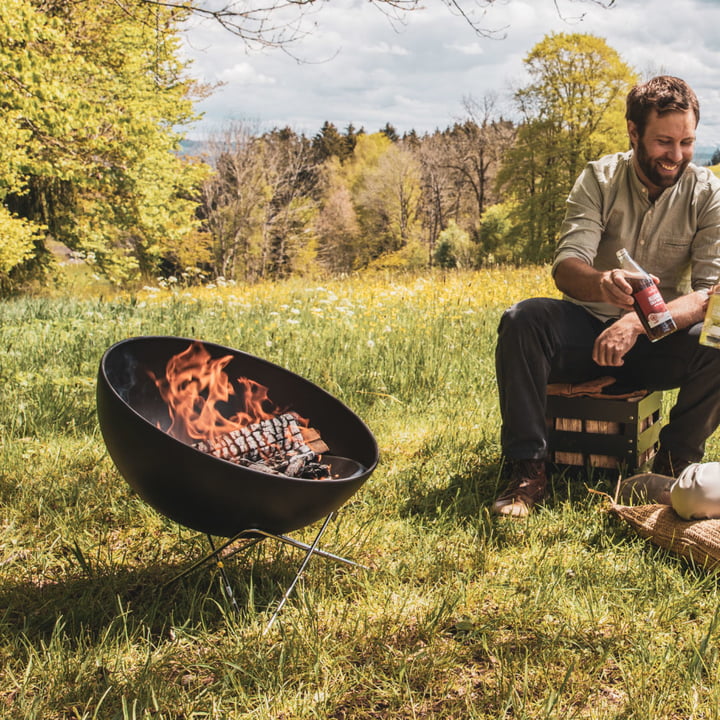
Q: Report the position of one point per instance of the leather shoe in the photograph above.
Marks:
(527, 487)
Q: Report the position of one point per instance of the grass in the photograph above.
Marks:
(567, 614)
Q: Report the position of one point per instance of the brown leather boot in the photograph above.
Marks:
(527, 486)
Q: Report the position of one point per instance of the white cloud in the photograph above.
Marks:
(385, 48)
(468, 49)
(244, 74)
(367, 71)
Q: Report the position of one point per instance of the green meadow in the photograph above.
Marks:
(457, 616)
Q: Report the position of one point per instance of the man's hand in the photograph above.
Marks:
(582, 282)
(614, 342)
(616, 289)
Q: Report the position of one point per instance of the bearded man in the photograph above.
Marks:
(665, 211)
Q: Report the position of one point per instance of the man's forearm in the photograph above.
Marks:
(688, 309)
(582, 282)
(579, 280)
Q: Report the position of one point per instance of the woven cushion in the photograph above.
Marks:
(696, 540)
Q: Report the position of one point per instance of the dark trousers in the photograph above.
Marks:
(543, 340)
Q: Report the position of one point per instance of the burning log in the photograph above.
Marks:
(278, 445)
(251, 430)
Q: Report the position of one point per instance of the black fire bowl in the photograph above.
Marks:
(204, 492)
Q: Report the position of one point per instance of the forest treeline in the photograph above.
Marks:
(96, 102)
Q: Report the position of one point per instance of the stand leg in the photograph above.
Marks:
(299, 573)
(319, 552)
(254, 536)
(224, 579)
(214, 553)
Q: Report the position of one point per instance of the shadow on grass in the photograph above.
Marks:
(467, 495)
(154, 597)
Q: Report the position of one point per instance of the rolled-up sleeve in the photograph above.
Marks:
(582, 227)
(705, 253)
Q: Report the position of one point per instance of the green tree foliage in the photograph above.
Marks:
(386, 193)
(454, 248)
(17, 240)
(390, 132)
(91, 94)
(330, 142)
(497, 239)
(370, 206)
(573, 111)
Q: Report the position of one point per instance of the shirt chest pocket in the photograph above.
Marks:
(668, 238)
(670, 253)
(675, 243)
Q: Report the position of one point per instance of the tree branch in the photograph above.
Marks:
(278, 23)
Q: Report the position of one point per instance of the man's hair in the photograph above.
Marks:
(663, 94)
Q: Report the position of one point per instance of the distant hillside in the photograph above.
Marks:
(196, 147)
(703, 155)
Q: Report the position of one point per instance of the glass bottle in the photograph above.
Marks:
(648, 302)
(710, 333)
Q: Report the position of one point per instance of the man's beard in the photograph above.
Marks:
(649, 168)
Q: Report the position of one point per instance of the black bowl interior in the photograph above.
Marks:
(207, 493)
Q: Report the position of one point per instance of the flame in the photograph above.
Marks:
(196, 389)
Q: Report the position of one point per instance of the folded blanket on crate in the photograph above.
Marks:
(603, 387)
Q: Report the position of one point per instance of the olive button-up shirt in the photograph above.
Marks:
(676, 238)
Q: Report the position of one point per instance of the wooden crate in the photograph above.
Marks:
(604, 432)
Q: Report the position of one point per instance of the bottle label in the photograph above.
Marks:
(713, 310)
(652, 306)
(710, 334)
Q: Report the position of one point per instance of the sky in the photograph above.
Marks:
(357, 66)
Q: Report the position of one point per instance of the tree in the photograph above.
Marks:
(336, 225)
(91, 98)
(481, 143)
(390, 132)
(458, 168)
(439, 190)
(497, 239)
(454, 248)
(329, 142)
(291, 174)
(387, 195)
(234, 200)
(258, 206)
(18, 239)
(573, 112)
(374, 196)
(351, 136)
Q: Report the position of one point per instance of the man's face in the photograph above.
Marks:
(665, 148)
